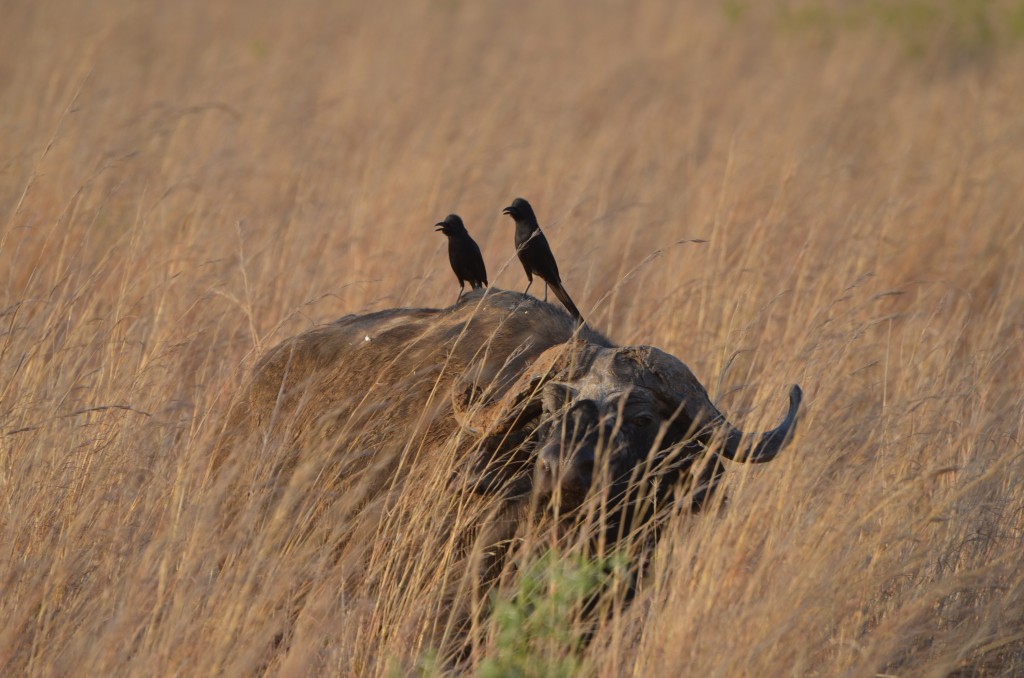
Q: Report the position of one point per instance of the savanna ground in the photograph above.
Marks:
(184, 184)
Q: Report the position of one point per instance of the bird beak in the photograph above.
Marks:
(440, 226)
(507, 210)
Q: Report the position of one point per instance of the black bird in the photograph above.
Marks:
(463, 254)
(535, 254)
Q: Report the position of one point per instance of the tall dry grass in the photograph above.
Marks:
(183, 185)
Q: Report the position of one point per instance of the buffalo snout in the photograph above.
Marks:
(565, 474)
(564, 470)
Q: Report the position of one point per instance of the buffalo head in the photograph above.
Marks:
(628, 425)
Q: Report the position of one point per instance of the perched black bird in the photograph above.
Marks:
(463, 254)
(535, 254)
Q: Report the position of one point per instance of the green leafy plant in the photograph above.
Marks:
(538, 628)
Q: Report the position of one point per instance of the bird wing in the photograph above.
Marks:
(545, 260)
(479, 269)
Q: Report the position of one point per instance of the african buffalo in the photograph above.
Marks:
(542, 409)
(437, 450)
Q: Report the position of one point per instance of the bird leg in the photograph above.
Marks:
(545, 291)
(528, 287)
(462, 288)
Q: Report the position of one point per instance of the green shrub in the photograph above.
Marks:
(538, 630)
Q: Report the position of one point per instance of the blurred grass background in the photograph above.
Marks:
(184, 184)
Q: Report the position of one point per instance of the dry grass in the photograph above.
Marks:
(183, 185)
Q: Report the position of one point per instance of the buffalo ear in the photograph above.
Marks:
(482, 412)
(684, 454)
(682, 427)
(682, 442)
(502, 461)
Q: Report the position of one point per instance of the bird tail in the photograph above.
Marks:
(563, 297)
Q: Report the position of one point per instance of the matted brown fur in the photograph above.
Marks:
(395, 367)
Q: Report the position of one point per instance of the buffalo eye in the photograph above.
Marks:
(640, 421)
